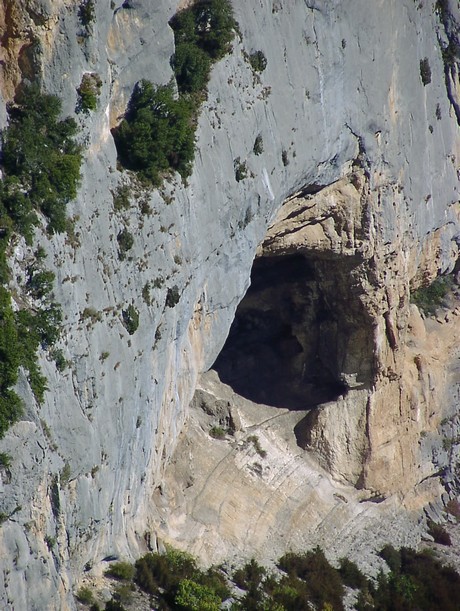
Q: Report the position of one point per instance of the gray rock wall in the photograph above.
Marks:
(342, 81)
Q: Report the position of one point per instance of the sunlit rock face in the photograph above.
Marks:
(352, 202)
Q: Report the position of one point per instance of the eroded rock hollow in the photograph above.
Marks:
(300, 337)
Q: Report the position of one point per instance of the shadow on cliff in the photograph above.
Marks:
(280, 350)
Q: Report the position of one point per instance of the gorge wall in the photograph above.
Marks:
(350, 206)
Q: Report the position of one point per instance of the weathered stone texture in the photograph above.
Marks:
(341, 105)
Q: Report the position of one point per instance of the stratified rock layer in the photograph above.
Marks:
(343, 112)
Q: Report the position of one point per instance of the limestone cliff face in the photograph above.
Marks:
(358, 175)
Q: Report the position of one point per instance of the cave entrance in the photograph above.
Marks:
(288, 342)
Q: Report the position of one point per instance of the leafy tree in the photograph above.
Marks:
(191, 67)
(192, 596)
(10, 359)
(41, 161)
(209, 24)
(157, 133)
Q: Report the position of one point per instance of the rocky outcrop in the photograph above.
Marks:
(359, 161)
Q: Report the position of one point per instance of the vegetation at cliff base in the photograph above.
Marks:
(301, 582)
(157, 134)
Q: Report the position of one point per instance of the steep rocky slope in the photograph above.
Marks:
(358, 177)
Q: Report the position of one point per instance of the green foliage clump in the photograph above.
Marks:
(121, 198)
(439, 533)
(425, 71)
(258, 147)
(416, 581)
(192, 596)
(217, 432)
(10, 359)
(5, 460)
(85, 595)
(40, 283)
(175, 580)
(41, 163)
(89, 91)
(429, 298)
(258, 61)
(257, 447)
(323, 581)
(121, 570)
(125, 241)
(191, 67)
(157, 134)
(351, 576)
(130, 318)
(172, 296)
(241, 169)
(87, 12)
(208, 24)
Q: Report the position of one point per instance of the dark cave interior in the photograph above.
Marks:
(282, 348)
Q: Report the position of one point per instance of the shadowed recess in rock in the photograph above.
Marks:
(275, 352)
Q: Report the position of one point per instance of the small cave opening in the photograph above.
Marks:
(286, 346)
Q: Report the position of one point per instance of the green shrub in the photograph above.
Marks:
(172, 296)
(425, 71)
(87, 12)
(217, 432)
(58, 357)
(324, 582)
(191, 67)
(10, 359)
(40, 283)
(121, 570)
(5, 460)
(157, 134)
(89, 91)
(439, 533)
(125, 241)
(192, 596)
(65, 474)
(41, 161)
(257, 447)
(155, 571)
(258, 147)
(241, 169)
(351, 575)
(418, 581)
(258, 61)
(114, 605)
(130, 318)
(429, 298)
(250, 575)
(208, 24)
(121, 198)
(85, 596)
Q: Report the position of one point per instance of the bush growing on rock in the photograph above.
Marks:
(258, 61)
(191, 67)
(88, 92)
(157, 134)
(121, 570)
(41, 162)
